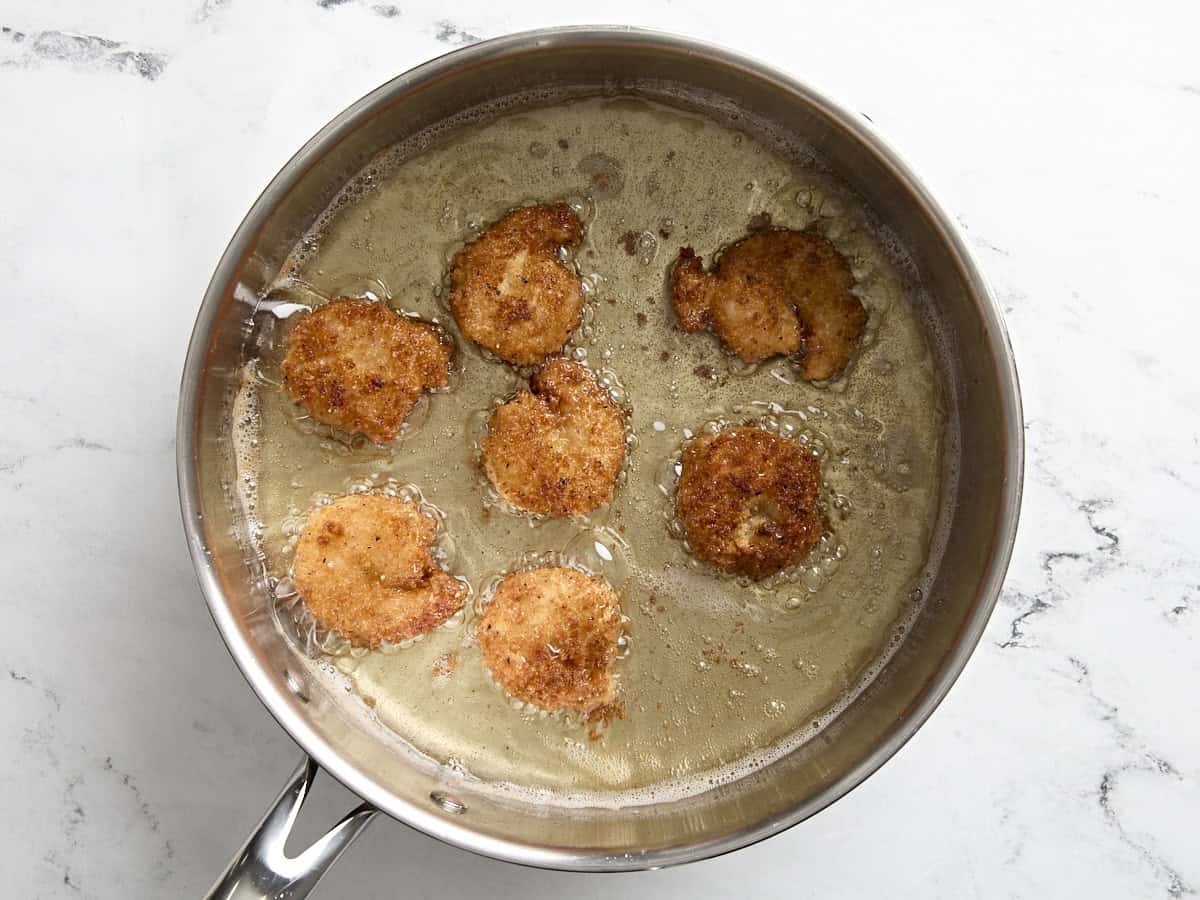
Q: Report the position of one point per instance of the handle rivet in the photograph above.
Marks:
(294, 685)
(447, 803)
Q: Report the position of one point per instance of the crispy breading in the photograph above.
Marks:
(364, 570)
(748, 500)
(360, 366)
(549, 636)
(774, 292)
(509, 290)
(558, 450)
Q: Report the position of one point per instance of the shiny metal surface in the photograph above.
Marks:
(262, 870)
(983, 495)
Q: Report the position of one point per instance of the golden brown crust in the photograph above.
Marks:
(558, 450)
(360, 366)
(510, 292)
(775, 292)
(363, 569)
(549, 636)
(748, 500)
(690, 289)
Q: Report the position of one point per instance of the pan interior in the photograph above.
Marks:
(939, 292)
(720, 675)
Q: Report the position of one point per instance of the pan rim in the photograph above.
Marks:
(282, 707)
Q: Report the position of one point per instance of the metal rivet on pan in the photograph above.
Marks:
(448, 804)
(293, 685)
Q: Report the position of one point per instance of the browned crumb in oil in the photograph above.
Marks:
(629, 242)
(714, 654)
(759, 222)
(603, 716)
(605, 173)
(445, 664)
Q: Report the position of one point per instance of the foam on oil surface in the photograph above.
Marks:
(721, 675)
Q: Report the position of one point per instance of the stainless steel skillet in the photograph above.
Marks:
(981, 487)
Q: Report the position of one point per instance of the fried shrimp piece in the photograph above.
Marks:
(556, 451)
(509, 290)
(777, 291)
(360, 366)
(549, 637)
(363, 569)
(747, 499)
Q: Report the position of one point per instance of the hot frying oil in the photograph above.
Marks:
(718, 673)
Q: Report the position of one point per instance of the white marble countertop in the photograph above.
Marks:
(1066, 762)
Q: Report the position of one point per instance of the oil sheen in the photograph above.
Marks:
(718, 674)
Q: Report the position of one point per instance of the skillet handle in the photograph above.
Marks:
(261, 870)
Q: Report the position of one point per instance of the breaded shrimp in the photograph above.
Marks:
(556, 451)
(363, 569)
(747, 499)
(360, 366)
(509, 290)
(549, 636)
(775, 292)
